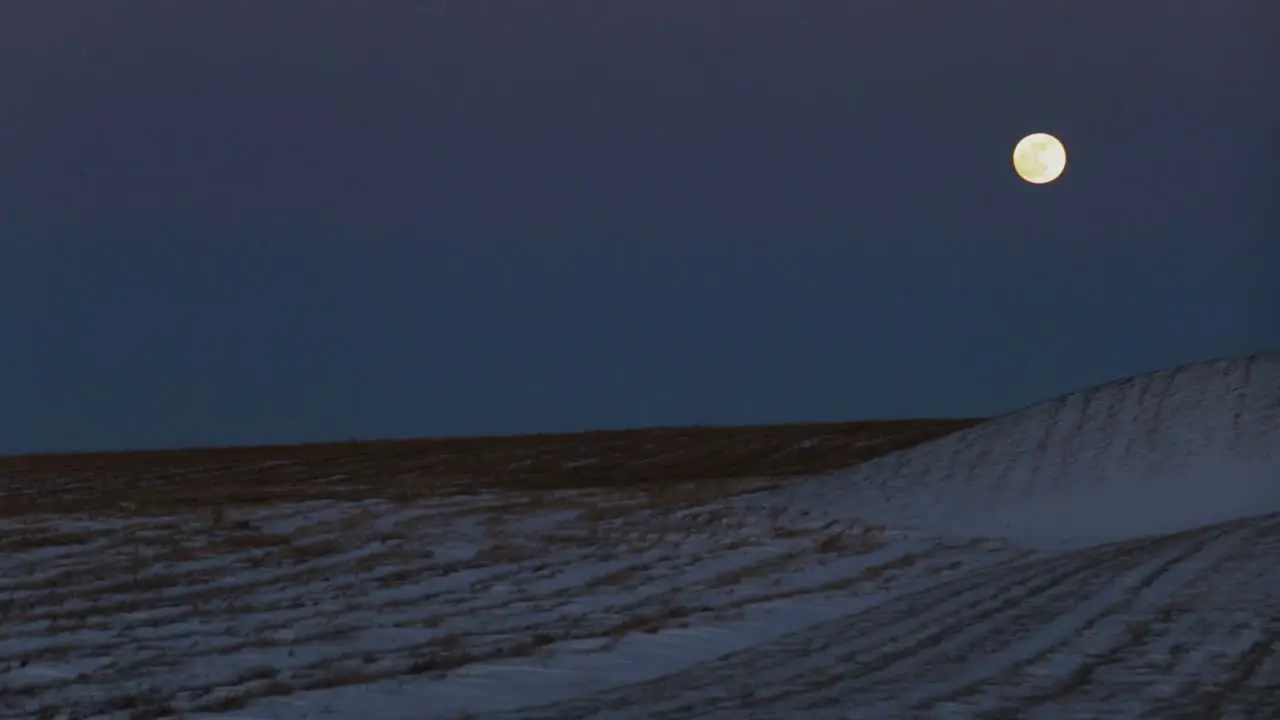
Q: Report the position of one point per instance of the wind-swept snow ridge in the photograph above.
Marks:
(1162, 452)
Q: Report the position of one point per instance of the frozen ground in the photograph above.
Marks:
(1108, 554)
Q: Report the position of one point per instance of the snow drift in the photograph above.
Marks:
(1162, 452)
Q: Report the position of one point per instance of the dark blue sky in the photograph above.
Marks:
(228, 222)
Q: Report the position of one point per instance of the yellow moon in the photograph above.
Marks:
(1039, 158)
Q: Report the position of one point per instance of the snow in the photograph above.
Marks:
(1106, 554)
(1157, 453)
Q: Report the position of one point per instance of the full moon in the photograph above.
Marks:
(1039, 158)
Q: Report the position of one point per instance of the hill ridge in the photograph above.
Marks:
(1160, 431)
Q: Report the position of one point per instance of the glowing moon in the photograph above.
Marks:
(1039, 158)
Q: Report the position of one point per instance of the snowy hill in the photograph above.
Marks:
(1109, 554)
(1162, 452)
(1154, 504)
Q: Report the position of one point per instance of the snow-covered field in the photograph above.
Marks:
(1108, 554)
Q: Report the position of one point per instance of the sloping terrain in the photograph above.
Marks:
(1151, 511)
(1175, 626)
(1161, 452)
(1109, 554)
(133, 585)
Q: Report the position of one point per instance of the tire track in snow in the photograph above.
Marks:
(1112, 622)
(891, 633)
(1012, 641)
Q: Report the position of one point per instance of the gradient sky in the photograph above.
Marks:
(244, 222)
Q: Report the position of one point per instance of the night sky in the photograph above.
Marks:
(246, 222)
